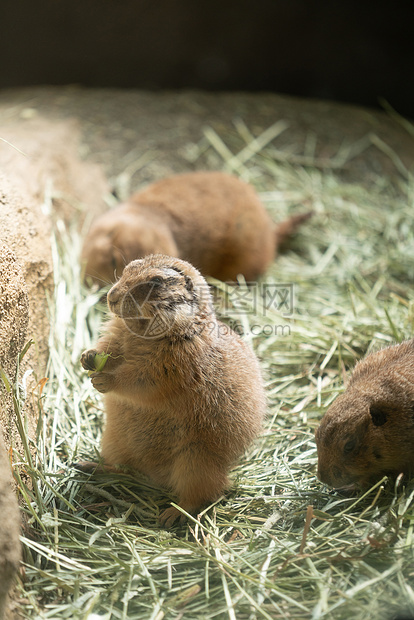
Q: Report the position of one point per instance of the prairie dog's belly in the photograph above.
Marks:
(146, 440)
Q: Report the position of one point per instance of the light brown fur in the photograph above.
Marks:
(368, 431)
(210, 219)
(183, 393)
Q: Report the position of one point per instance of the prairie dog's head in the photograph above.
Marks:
(368, 431)
(121, 235)
(160, 296)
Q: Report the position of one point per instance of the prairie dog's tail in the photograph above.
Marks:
(284, 230)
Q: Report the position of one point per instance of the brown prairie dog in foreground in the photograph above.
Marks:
(368, 431)
(210, 219)
(183, 393)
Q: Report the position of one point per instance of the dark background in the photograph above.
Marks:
(351, 51)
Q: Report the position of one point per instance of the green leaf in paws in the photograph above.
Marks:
(99, 361)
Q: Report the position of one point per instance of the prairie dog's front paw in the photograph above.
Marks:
(88, 359)
(103, 381)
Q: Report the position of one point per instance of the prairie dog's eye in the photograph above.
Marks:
(349, 446)
(157, 280)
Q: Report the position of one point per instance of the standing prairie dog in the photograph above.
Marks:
(210, 219)
(368, 431)
(184, 395)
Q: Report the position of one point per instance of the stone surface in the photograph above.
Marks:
(41, 179)
(140, 136)
(9, 531)
(14, 306)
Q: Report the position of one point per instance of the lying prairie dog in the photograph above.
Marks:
(213, 220)
(184, 395)
(368, 431)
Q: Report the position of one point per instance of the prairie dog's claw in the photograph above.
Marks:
(88, 359)
(169, 516)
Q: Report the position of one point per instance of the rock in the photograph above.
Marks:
(42, 177)
(14, 318)
(9, 531)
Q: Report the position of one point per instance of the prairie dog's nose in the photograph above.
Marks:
(113, 294)
(323, 475)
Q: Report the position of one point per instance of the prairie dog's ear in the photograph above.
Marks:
(189, 285)
(378, 415)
